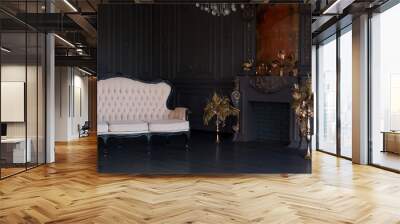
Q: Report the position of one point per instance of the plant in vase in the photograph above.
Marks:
(303, 106)
(219, 107)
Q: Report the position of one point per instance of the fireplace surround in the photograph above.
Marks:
(266, 115)
(271, 121)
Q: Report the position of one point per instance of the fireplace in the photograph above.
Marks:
(271, 121)
(265, 109)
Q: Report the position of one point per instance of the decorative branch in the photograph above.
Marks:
(219, 107)
(303, 106)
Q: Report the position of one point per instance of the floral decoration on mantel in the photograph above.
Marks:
(283, 65)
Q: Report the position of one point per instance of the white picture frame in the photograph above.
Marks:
(12, 101)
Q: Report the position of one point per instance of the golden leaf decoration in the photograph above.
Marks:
(219, 107)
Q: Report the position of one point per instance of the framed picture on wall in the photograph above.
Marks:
(12, 101)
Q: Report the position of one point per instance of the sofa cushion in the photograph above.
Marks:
(102, 127)
(171, 125)
(128, 126)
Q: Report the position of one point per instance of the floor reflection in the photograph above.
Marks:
(204, 157)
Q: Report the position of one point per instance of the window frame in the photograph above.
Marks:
(334, 37)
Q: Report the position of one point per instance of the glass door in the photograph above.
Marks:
(14, 154)
(32, 98)
(22, 77)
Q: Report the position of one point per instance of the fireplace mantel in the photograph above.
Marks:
(267, 88)
(256, 89)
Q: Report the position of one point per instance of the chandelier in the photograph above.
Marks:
(219, 9)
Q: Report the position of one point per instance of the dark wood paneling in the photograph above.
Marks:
(171, 42)
(305, 40)
(197, 52)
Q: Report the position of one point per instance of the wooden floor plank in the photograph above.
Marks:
(71, 191)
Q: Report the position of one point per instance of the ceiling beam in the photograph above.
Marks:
(85, 25)
(73, 12)
(337, 7)
(81, 61)
(49, 22)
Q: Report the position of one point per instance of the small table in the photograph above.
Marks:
(13, 150)
(391, 141)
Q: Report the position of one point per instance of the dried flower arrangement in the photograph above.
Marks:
(303, 106)
(219, 107)
(284, 64)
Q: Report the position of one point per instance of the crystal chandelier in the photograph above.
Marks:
(219, 9)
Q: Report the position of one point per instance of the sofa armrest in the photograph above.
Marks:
(181, 113)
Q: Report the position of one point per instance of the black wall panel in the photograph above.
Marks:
(197, 52)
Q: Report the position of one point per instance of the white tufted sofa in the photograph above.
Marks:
(131, 107)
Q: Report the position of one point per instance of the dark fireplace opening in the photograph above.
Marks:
(272, 121)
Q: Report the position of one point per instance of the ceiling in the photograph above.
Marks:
(76, 20)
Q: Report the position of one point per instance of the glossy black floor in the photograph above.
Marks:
(204, 157)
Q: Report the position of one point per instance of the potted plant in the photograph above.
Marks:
(219, 107)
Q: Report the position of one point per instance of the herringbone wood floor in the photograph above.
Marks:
(71, 191)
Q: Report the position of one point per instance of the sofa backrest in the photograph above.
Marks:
(126, 99)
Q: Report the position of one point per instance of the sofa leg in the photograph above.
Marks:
(105, 149)
(148, 144)
(187, 138)
(148, 136)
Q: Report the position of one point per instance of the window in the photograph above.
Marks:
(334, 94)
(327, 96)
(346, 93)
(385, 89)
